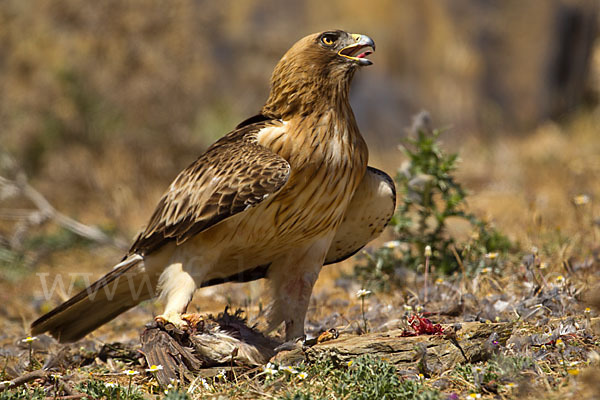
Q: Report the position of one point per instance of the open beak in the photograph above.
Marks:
(359, 50)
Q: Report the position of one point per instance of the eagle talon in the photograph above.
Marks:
(193, 320)
(172, 319)
(329, 334)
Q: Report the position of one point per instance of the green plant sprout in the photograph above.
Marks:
(429, 196)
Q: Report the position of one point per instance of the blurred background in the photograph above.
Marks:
(103, 103)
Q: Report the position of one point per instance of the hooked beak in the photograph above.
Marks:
(359, 50)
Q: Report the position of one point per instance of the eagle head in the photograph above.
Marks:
(316, 72)
(345, 48)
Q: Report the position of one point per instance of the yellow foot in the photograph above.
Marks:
(174, 319)
(330, 334)
(193, 320)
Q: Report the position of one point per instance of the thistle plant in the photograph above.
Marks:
(429, 196)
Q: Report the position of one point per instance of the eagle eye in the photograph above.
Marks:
(328, 40)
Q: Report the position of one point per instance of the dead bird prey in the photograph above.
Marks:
(211, 341)
(284, 193)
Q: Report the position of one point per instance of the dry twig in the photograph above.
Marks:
(45, 211)
(23, 379)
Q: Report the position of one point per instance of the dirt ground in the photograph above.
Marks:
(540, 190)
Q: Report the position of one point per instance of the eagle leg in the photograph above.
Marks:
(290, 302)
(177, 288)
(291, 279)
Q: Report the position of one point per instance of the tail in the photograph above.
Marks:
(116, 292)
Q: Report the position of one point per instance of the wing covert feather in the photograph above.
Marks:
(234, 174)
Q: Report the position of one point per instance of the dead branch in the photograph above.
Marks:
(23, 379)
(45, 211)
(473, 342)
(65, 386)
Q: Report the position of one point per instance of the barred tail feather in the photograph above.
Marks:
(116, 292)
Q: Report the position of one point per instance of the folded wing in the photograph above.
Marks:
(234, 174)
(369, 212)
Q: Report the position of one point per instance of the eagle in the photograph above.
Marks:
(284, 193)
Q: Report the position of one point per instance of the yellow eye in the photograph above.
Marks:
(327, 40)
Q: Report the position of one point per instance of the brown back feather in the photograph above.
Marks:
(234, 174)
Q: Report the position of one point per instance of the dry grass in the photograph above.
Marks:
(526, 186)
(104, 104)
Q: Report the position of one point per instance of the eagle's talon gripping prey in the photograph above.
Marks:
(193, 320)
(178, 321)
(284, 193)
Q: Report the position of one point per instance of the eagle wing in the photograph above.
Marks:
(234, 174)
(369, 212)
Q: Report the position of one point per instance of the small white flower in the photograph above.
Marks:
(55, 376)
(110, 385)
(270, 369)
(302, 375)
(130, 372)
(418, 308)
(474, 396)
(407, 308)
(288, 369)
(222, 375)
(154, 368)
(491, 256)
(478, 370)
(205, 384)
(486, 270)
(428, 251)
(391, 244)
(363, 293)
(581, 199)
(29, 339)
